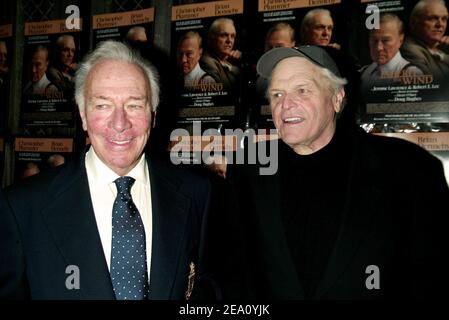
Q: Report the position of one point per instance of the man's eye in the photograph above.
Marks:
(135, 106)
(276, 95)
(101, 106)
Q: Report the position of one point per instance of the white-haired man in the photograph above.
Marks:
(123, 224)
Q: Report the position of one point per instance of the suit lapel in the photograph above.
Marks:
(280, 272)
(357, 218)
(70, 218)
(170, 210)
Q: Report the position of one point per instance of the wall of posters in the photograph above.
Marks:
(279, 24)
(50, 61)
(206, 44)
(403, 78)
(131, 26)
(5, 67)
(33, 155)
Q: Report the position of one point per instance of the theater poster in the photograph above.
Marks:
(398, 85)
(5, 69)
(275, 19)
(133, 27)
(52, 53)
(436, 143)
(207, 49)
(34, 155)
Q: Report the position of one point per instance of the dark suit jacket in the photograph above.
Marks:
(394, 218)
(416, 52)
(53, 226)
(221, 74)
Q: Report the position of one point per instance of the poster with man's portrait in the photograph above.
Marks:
(132, 27)
(35, 154)
(51, 58)
(289, 24)
(405, 62)
(5, 66)
(206, 47)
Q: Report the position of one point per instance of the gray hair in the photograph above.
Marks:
(335, 84)
(214, 27)
(391, 17)
(60, 40)
(114, 50)
(279, 27)
(191, 35)
(135, 30)
(418, 11)
(308, 19)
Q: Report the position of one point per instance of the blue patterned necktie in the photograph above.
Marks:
(128, 254)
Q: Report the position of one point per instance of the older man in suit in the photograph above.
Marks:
(346, 216)
(116, 223)
(428, 46)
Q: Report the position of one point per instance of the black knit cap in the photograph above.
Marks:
(314, 54)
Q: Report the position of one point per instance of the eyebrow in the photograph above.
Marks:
(111, 100)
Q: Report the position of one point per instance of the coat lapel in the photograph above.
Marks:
(70, 218)
(358, 215)
(170, 213)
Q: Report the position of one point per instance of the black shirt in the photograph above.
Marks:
(313, 198)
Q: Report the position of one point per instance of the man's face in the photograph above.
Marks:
(3, 55)
(302, 106)
(224, 40)
(320, 32)
(189, 53)
(385, 42)
(39, 65)
(67, 51)
(279, 38)
(431, 26)
(117, 113)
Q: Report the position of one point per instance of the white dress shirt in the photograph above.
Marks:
(393, 68)
(103, 193)
(196, 76)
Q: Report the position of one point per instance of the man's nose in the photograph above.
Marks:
(288, 101)
(440, 22)
(120, 121)
(379, 46)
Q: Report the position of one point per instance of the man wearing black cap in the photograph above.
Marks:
(346, 216)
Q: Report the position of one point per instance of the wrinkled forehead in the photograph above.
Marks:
(434, 9)
(322, 18)
(120, 70)
(226, 27)
(390, 27)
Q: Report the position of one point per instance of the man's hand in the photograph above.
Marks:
(335, 45)
(444, 44)
(234, 57)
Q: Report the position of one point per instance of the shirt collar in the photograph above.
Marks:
(392, 64)
(195, 73)
(102, 175)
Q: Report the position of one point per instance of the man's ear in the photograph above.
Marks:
(83, 119)
(338, 100)
(153, 119)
